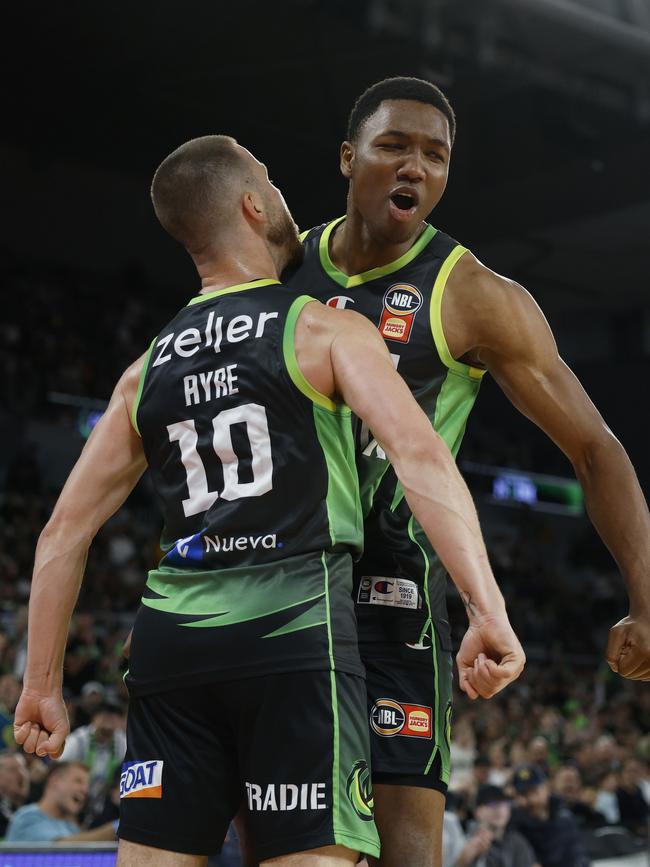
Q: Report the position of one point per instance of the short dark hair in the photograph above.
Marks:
(193, 186)
(401, 87)
(57, 768)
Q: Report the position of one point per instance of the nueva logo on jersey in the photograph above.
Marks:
(401, 302)
(359, 790)
(195, 548)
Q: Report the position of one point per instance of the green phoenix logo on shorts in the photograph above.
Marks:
(359, 790)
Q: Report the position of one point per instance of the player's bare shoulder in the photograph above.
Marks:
(128, 384)
(481, 308)
(319, 320)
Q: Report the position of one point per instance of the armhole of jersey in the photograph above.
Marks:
(303, 235)
(436, 317)
(291, 362)
(136, 402)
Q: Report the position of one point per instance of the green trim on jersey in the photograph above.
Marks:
(455, 401)
(303, 621)
(138, 396)
(303, 235)
(348, 282)
(214, 596)
(289, 351)
(334, 432)
(335, 704)
(240, 287)
(436, 317)
(434, 655)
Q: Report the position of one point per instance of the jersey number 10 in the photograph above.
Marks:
(184, 433)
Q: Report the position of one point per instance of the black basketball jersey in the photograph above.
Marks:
(254, 473)
(395, 596)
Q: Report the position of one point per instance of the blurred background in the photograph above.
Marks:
(549, 184)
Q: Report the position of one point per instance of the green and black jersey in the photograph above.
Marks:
(255, 475)
(399, 585)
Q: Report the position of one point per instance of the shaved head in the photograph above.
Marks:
(195, 188)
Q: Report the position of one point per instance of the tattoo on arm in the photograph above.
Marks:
(467, 602)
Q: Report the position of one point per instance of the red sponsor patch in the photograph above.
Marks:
(418, 721)
(389, 718)
(395, 327)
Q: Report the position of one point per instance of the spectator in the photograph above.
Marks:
(633, 807)
(55, 817)
(14, 787)
(606, 799)
(567, 785)
(538, 754)
(101, 747)
(489, 842)
(93, 694)
(9, 695)
(545, 822)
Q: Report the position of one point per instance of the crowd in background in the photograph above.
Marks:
(578, 733)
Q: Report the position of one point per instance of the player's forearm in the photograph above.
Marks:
(619, 513)
(58, 569)
(441, 502)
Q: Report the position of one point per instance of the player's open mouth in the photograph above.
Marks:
(403, 204)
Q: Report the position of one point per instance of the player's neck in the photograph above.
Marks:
(243, 264)
(354, 249)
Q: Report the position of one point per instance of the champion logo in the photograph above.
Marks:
(339, 301)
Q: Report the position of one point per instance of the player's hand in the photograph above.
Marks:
(490, 657)
(41, 723)
(628, 648)
(478, 844)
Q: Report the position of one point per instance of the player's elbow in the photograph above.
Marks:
(421, 449)
(66, 528)
(596, 453)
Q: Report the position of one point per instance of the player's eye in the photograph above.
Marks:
(391, 146)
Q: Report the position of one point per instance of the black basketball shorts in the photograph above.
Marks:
(291, 749)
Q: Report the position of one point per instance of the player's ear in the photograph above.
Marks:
(347, 159)
(253, 206)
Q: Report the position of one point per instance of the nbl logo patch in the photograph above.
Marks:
(389, 718)
(401, 302)
(359, 790)
(141, 780)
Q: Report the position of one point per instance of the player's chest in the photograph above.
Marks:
(400, 310)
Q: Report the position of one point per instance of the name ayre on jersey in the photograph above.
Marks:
(211, 384)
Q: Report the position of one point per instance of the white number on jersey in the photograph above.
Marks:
(184, 433)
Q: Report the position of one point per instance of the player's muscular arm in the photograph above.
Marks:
(341, 353)
(109, 467)
(495, 323)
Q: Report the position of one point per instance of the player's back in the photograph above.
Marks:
(254, 472)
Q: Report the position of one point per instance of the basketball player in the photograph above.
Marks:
(446, 319)
(245, 678)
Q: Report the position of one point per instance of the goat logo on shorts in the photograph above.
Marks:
(359, 790)
(141, 780)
